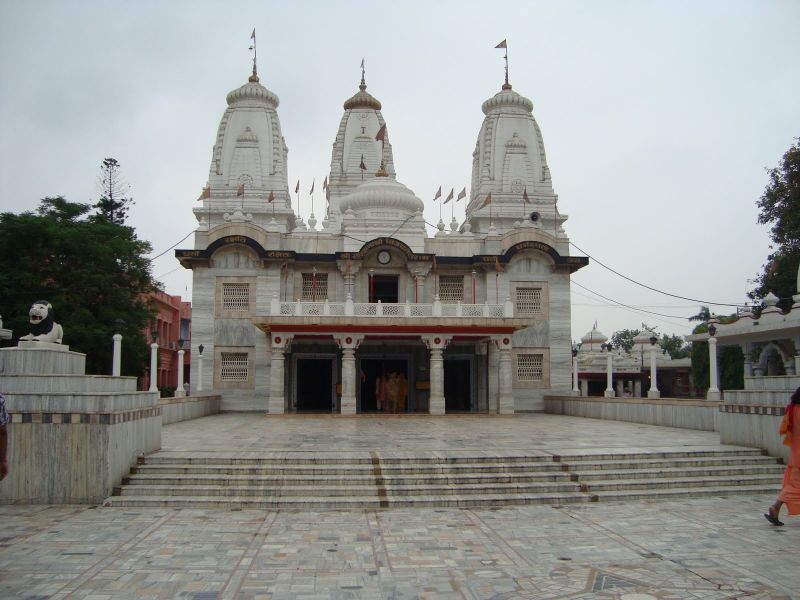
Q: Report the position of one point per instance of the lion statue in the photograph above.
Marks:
(42, 328)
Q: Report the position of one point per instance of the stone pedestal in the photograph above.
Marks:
(72, 436)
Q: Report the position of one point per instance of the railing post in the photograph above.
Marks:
(298, 309)
(437, 307)
(407, 309)
(508, 309)
(379, 309)
(274, 305)
(326, 308)
(459, 309)
(486, 309)
(349, 309)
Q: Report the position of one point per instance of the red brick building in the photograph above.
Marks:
(172, 324)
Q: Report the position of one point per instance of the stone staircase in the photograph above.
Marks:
(314, 481)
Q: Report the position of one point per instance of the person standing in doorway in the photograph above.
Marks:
(790, 491)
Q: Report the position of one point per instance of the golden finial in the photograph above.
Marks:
(254, 77)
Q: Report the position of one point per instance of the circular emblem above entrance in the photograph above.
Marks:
(384, 257)
(277, 340)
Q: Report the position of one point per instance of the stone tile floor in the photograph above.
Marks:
(700, 548)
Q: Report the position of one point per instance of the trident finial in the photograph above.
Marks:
(254, 76)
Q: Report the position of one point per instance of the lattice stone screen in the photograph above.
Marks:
(529, 301)
(315, 288)
(451, 288)
(530, 367)
(234, 366)
(236, 296)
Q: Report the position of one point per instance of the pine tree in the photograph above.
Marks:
(114, 202)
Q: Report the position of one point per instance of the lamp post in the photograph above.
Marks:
(153, 360)
(609, 393)
(200, 368)
(179, 391)
(116, 362)
(653, 391)
(575, 387)
(713, 376)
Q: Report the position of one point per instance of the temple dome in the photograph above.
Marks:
(362, 99)
(382, 193)
(507, 98)
(252, 91)
(594, 337)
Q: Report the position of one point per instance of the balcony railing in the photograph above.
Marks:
(406, 310)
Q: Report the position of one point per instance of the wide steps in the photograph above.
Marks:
(330, 481)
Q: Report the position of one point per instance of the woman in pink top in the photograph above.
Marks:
(790, 492)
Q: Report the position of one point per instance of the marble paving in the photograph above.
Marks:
(699, 548)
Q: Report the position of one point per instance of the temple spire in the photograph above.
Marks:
(254, 76)
(363, 85)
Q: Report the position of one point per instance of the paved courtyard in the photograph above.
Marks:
(697, 548)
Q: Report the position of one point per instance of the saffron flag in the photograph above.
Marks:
(488, 200)
(449, 196)
(497, 266)
(362, 166)
(381, 135)
(270, 198)
(205, 194)
(253, 35)
(438, 194)
(312, 186)
(501, 45)
(240, 191)
(325, 184)
(462, 194)
(525, 195)
(297, 187)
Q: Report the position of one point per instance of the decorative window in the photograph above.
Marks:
(529, 301)
(530, 367)
(236, 296)
(451, 288)
(234, 366)
(315, 287)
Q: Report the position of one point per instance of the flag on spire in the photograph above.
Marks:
(462, 194)
(525, 195)
(240, 191)
(270, 198)
(487, 201)
(206, 193)
(381, 135)
(325, 184)
(438, 194)
(297, 187)
(449, 196)
(362, 166)
(502, 45)
(312, 186)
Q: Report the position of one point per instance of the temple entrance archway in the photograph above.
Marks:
(458, 385)
(314, 385)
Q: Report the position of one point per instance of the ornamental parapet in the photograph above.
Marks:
(405, 310)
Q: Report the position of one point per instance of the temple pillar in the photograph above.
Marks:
(713, 385)
(506, 401)
(277, 397)
(584, 387)
(349, 344)
(436, 344)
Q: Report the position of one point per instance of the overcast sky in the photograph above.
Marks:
(658, 118)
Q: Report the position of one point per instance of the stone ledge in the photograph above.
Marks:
(774, 410)
(646, 401)
(78, 418)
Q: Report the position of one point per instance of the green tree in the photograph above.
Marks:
(674, 346)
(624, 338)
(780, 208)
(94, 273)
(114, 204)
(729, 358)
